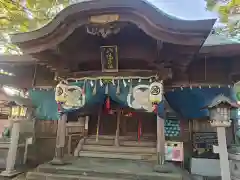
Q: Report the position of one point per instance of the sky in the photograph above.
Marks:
(184, 9)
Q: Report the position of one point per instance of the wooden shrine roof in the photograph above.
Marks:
(153, 21)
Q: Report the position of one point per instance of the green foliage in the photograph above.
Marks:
(227, 16)
(26, 15)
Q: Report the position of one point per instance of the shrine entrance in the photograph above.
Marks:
(135, 125)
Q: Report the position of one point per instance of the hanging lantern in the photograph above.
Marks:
(156, 92)
(60, 92)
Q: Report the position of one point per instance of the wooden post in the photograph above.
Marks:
(223, 154)
(118, 128)
(12, 152)
(160, 141)
(86, 125)
(60, 140)
(124, 125)
(98, 124)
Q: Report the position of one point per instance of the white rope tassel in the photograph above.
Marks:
(106, 89)
(118, 88)
(95, 88)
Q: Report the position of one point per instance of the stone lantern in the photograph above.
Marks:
(220, 112)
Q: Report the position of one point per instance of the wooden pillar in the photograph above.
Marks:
(160, 141)
(60, 140)
(12, 152)
(86, 125)
(98, 125)
(124, 126)
(118, 128)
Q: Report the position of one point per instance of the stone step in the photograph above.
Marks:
(133, 138)
(119, 149)
(50, 176)
(109, 142)
(129, 156)
(77, 173)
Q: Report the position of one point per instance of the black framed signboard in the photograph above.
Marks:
(109, 58)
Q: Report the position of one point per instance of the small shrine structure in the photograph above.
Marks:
(133, 77)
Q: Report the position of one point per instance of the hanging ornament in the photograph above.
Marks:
(155, 108)
(139, 80)
(91, 83)
(124, 83)
(59, 107)
(95, 88)
(106, 89)
(130, 88)
(129, 80)
(118, 88)
(100, 82)
(108, 103)
(150, 80)
(84, 86)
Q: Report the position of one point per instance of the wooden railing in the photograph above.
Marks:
(47, 129)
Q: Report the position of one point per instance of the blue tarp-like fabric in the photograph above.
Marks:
(46, 105)
(186, 102)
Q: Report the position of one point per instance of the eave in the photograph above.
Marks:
(153, 21)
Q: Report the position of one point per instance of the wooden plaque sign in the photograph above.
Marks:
(104, 19)
(109, 58)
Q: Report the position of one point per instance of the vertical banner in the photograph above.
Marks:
(109, 58)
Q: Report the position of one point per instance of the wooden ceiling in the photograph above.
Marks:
(81, 52)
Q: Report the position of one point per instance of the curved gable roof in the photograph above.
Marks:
(170, 28)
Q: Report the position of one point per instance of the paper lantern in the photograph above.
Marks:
(61, 92)
(156, 91)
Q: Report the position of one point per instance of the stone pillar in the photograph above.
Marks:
(60, 140)
(234, 156)
(222, 150)
(12, 152)
(160, 141)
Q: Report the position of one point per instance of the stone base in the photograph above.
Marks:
(102, 169)
(57, 161)
(165, 168)
(10, 173)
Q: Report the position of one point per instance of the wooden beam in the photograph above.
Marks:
(17, 59)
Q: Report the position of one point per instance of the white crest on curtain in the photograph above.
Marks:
(140, 98)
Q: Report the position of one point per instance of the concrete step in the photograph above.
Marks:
(131, 138)
(128, 156)
(119, 149)
(77, 173)
(110, 142)
(50, 176)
